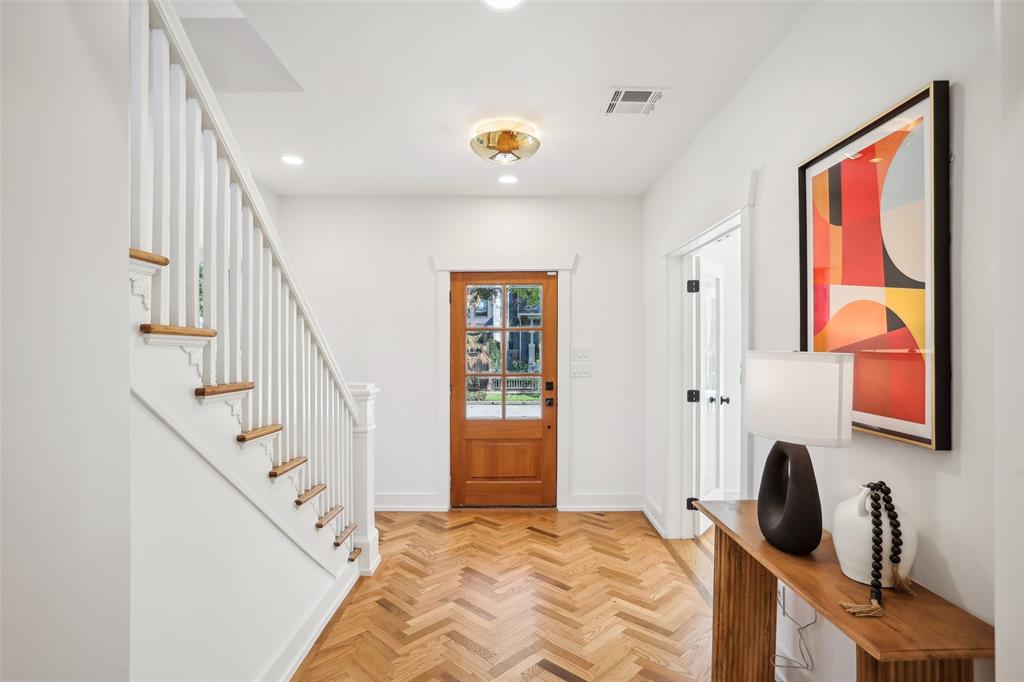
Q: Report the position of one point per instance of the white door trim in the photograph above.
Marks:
(443, 266)
(680, 483)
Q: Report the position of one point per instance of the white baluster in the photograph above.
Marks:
(177, 131)
(210, 292)
(259, 322)
(193, 208)
(247, 290)
(293, 405)
(159, 96)
(348, 481)
(267, 337)
(141, 214)
(318, 366)
(286, 375)
(332, 451)
(300, 388)
(307, 421)
(235, 284)
(225, 342)
(336, 453)
(277, 381)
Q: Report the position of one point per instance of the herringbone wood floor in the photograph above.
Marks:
(529, 595)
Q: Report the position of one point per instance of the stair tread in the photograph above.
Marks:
(262, 431)
(285, 467)
(171, 330)
(220, 389)
(310, 494)
(148, 257)
(329, 516)
(354, 554)
(343, 535)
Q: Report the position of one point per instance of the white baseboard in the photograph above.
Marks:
(600, 502)
(597, 502)
(654, 516)
(411, 502)
(291, 656)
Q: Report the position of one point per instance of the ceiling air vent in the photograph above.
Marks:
(633, 100)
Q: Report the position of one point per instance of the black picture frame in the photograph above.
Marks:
(937, 93)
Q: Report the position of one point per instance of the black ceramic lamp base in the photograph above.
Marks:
(788, 506)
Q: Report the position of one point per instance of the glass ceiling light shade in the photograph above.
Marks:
(505, 142)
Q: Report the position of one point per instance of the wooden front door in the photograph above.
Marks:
(504, 340)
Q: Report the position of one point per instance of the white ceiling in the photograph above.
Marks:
(388, 93)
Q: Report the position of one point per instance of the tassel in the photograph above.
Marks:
(901, 583)
(874, 609)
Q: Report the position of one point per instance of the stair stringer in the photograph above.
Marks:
(163, 380)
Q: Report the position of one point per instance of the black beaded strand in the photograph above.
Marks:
(881, 496)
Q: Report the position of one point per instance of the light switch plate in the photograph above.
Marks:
(582, 352)
(581, 369)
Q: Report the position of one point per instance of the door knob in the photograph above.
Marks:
(549, 401)
(711, 400)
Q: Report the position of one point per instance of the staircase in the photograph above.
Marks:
(226, 351)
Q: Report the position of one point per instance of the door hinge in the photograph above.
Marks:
(693, 396)
(449, 298)
(693, 286)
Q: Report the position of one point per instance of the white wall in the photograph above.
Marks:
(842, 64)
(365, 265)
(1007, 257)
(65, 383)
(217, 590)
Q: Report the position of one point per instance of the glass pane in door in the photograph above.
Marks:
(483, 352)
(483, 397)
(522, 398)
(522, 352)
(524, 305)
(483, 306)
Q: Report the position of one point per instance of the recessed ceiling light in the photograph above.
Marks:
(503, 5)
(292, 160)
(508, 179)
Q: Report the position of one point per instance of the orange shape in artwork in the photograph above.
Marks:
(853, 322)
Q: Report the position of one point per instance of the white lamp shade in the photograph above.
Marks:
(804, 398)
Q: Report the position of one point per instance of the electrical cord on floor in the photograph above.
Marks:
(806, 661)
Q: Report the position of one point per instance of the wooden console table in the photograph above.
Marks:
(922, 638)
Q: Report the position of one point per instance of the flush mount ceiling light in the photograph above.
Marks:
(292, 160)
(502, 5)
(505, 142)
(508, 179)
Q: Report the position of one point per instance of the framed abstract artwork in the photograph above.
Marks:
(874, 266)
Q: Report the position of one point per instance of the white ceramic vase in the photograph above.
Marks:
(851, 534)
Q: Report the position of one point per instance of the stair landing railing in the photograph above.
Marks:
(195, 202)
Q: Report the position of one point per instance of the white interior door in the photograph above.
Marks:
(708, 364)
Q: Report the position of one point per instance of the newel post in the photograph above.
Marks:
(363, 441)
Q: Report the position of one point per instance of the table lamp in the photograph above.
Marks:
(799, 399)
